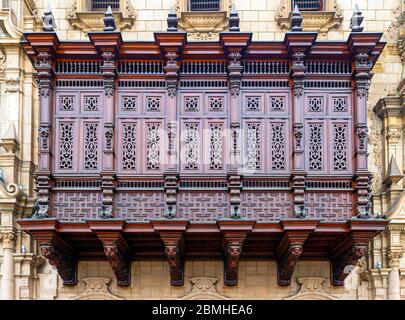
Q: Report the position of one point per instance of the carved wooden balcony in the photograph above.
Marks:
(231, 149)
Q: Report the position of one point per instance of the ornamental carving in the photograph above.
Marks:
(235, 69)
(363, 60)
(362, 131)
(394, 258)
(287, 264)
(44, 131)
(298, 133)
(203, 288)
(96, 289)
(63, 262)
(393, 133)
(120, 261)
(171, 134)
(232, 250)
(313, 21)
(311, 288)
(109, 134)
(9, 240)
(174, 249)
(82, 18)
(171, 69)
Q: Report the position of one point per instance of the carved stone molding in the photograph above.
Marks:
(203, 289)
(232, 248)
(288, 253)
(394, 257)
(96, 289)
(313, 21)
(203, 25)
(118, 254)
(174, 249)
(311, 289)
(81, 18)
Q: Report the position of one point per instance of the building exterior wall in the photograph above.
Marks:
(36, 279)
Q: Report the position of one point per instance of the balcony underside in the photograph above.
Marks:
(231, 240)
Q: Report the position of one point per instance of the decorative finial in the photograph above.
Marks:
(109, 22)
(356, 20)
(48, 20)
(296, 20)
(233, 19)
(172, 20)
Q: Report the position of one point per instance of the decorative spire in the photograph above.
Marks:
(109, 22)
(233, 19)
(48, 20)
(356, 20)
(296, 20)
(172, 20)
(394, 175)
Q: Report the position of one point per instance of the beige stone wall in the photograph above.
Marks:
(257, 280)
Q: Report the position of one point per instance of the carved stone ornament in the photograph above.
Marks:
(82, 18)
(12, 83)
(203, 25)
(394, 257)
(203, 289)
(393, 133)
(96, 289)
(9, 239)
(311, 288)
(312, 21)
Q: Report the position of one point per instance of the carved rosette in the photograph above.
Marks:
(109, 134)
(171, 69)
(118, 254)
(235, 69)
(232, 250)
(174, 250)
(62, 261)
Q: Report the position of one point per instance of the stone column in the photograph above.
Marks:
(7, 280)
(394, 288)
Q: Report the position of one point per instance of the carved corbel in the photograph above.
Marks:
(174, 249)
(232, 249)
(288, 252)
(118, 254)
(347, 253)
(60, 255)
(171, 69)
(235, 69)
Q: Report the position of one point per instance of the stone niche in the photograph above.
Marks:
(203, 25)
(312, 21)
(82, 18)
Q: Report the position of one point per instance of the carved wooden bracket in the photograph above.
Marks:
(232, 249)
(59, 254)
(118, 254)
(174, 249)
(288, 252)
(347, 253)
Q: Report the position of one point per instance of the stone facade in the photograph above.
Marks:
(26, 275)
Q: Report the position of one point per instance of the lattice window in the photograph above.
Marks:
(153, 104)
(129, 103)
(253, 146)
(215, 145)
(91, 146)
(191, 104)
(315, 146)
(102, 5)
(253, 103)
(91, 103)
(216, 104)
(66, 103)
(66, 145)
(153, 146)
(308, 5)
(129, 146)
(192, 145)
(340, 147)
(204, 5)
(339, 104)
(277, 103)
(315, 104)
(278, 159)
